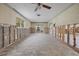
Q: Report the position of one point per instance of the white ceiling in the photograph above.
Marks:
(27, 10)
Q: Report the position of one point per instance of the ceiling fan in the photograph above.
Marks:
(39, 5)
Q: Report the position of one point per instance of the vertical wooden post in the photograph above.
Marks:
(9, 34)
(20, 33)
(68, 35)
(17, 33)
(14, 32)
(74, 37)
(55, 31)
(60, 33)
(2, 36)
(63, 32)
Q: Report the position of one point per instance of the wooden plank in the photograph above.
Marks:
(1, 36)
(55, 31)
(9, 34)
(63, 31)
(14, 32)
(68, 36)
(6, 35)
(17, 34)
(74, 36)
(60, 33)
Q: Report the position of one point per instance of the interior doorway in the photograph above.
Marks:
(39, 28)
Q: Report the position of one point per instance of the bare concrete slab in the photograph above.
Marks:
(41, 44)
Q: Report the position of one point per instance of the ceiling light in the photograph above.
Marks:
(38, 14)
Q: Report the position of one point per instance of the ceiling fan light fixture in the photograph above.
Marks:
(38, 14)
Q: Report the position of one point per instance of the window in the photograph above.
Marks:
(19, 22)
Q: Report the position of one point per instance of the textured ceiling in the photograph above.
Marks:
(27, 10)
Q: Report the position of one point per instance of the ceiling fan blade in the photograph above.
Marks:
(45, 6)
(38, 7)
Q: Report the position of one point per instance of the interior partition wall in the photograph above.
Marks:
(69, 34)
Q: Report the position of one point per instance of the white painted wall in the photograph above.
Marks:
(69, 16)
(42, 25)
(8, 16)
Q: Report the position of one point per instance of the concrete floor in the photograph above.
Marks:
(41, 44)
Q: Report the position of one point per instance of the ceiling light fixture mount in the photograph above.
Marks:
(38, 14)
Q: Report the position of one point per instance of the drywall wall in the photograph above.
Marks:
(42, 25)
(69, 16)
(8, 16)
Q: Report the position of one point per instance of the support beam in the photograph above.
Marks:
(68, 36)
(60, 32)
(9, 34)
(55, 31)
(2, 36)
(63, 32)
(74, 36)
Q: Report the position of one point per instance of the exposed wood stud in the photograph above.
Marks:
(55, 31)
(63, 32)
(68, 36)
(14, 32)
(74, 36)
(2, 36)
(9, 34)
(17, 33)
